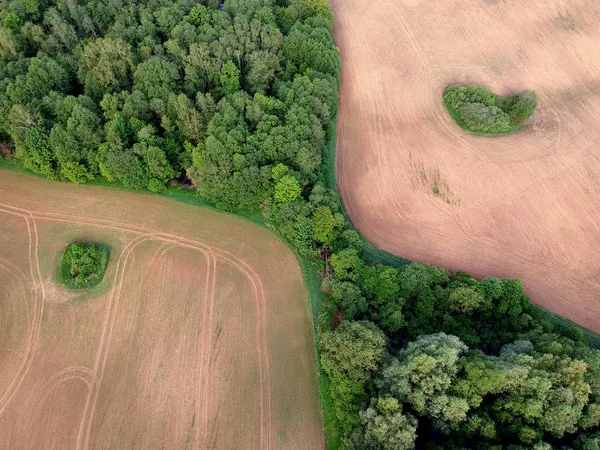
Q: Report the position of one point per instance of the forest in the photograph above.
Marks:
(238, 101)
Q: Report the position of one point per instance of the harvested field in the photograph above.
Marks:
(524, 205)
(199, 335)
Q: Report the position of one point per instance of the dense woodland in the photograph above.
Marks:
(237, 100)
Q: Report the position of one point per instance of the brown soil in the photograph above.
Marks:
(521, 206)
(199, 335)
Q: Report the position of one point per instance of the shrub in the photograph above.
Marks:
(479, 94)
(521, 106)
(82, 265)
(478, 110)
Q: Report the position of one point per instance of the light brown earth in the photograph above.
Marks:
(523, 206)
(199, 335)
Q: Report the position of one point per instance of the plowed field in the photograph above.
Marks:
(524, 205)
(199, 335)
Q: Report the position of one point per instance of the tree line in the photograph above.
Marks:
(238, 100)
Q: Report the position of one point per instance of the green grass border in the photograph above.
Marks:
(370, 252)
(64, 276)
(333, 434)
(178, 193)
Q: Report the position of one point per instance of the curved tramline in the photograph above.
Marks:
(522, 205)
(193, 339)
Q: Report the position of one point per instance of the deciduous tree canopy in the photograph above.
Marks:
(229, 93)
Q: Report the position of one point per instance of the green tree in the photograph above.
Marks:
(229, 78)
(201, 71)
(350, 356)
(43, 75)
(9, 47)
(158, 167)
(386, 427)
(200, 15)
(349, 298)
(36, 154)
(521, 106)
(303, 9)
(279, 171)
(477, 109)
(83, 265)
(62, 37)
(351, 239)
(75, 143)
(310, 44)
(261, 72)
(347, 265)
(423, 375)
(13, 22)
(187, 120)
(287, 189)
(465, 299)
(485, 119)
(119, 164)
(105, 65)
(382, 284)
(323, 225)
(157, 78)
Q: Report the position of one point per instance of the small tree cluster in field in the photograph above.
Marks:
(476, 109)
(82, 266)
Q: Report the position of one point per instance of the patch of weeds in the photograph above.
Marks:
(430, 180)
(565, 22)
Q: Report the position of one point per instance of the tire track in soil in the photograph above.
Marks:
(38, 304)
(81, 373)
(15, 275)
(201, 421)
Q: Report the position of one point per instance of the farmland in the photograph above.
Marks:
(199, 335)
(524, 205)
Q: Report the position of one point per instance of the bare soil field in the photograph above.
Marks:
(199, 335)
(524, 205)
